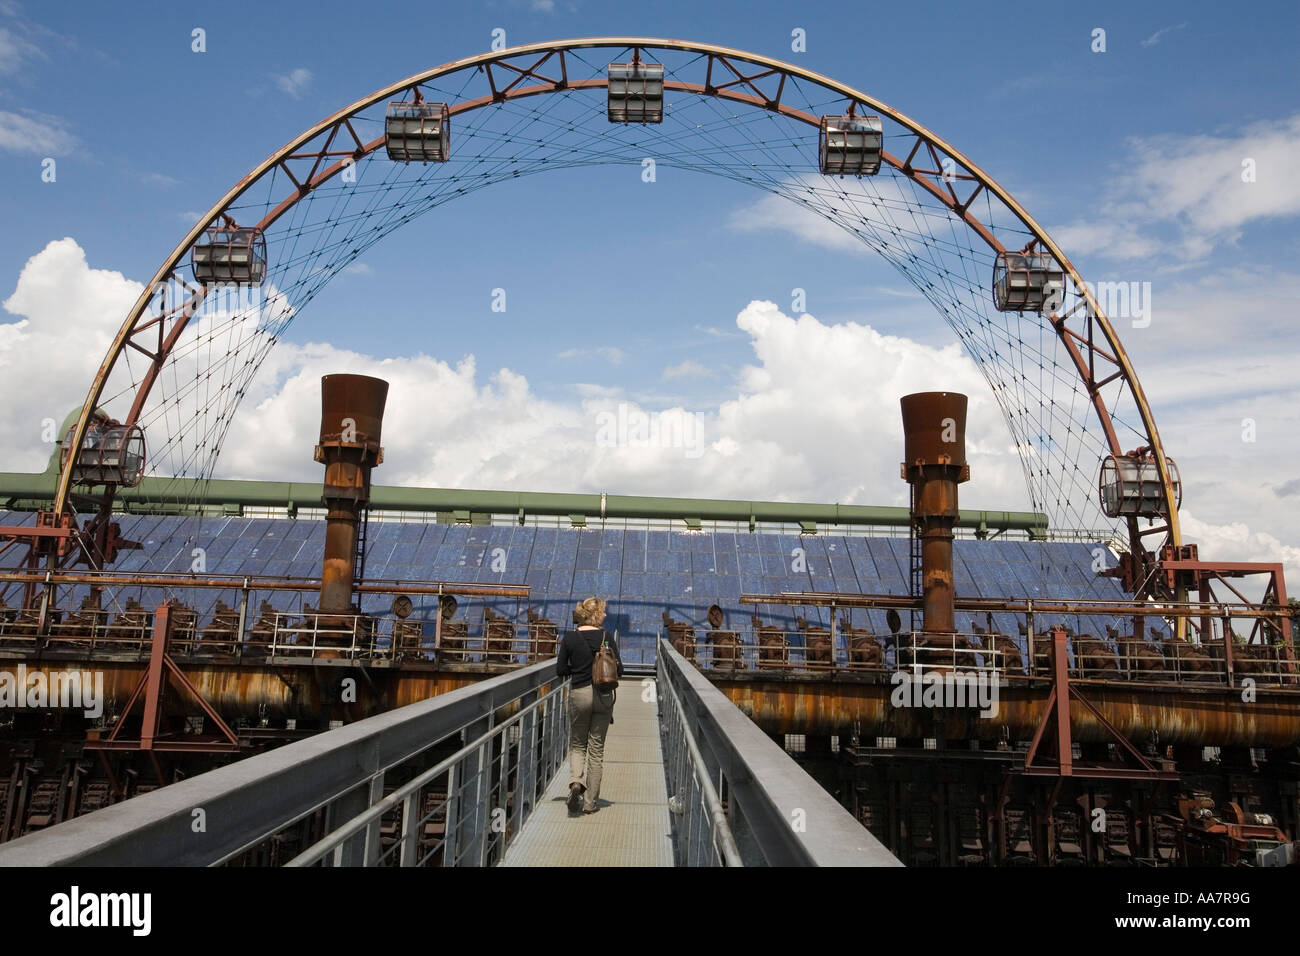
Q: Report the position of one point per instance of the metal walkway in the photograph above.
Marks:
(478, 777)
(632, 825)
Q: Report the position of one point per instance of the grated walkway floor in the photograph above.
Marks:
(631, 828)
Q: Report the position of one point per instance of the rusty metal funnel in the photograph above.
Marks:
(934, 441)
(934, 428)
(352, 413)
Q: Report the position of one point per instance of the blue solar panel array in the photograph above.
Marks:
(640, 573)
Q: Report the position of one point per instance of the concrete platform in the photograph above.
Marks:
(632, 827)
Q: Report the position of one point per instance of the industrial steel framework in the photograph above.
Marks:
(1063, 380)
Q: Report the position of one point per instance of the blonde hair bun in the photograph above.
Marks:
(591, 611)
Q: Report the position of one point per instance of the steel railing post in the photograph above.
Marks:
(484, 794)
(526, 764)
(473, 786)
(501, 792)
(559, 735)
(370, 845)
(410, 829)
(243, 617)
(451, 820)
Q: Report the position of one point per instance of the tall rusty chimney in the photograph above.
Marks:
(352, 413)
(934, 438)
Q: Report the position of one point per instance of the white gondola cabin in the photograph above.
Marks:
(417, 132)
(636, 93)
(229, 254)
(110, 453)
(850, 145)
(1130, 487)
(1027, 282)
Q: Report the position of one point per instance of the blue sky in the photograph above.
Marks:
(162, 131)
(147, 133)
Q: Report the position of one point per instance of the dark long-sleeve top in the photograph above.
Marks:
(578, 650)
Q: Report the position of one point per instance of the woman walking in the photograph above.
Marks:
(591, 711)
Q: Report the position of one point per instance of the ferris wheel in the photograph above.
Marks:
(179, 366)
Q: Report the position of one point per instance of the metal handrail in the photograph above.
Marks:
(334, 840)
(246, 582)
(263, 795)
(722, 840)
(790, 819)
(752, 649)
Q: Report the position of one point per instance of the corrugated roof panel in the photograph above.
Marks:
(680, 541)
(656, 584)
(882, 556)
(703, 562)
(658, 562)
(641, 573)
(633, 560)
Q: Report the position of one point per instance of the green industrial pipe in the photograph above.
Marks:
(26, 492)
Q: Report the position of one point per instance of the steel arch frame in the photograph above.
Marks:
(1082, 343)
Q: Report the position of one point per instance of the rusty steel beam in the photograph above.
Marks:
(1057, 710)
(1023, 606)
(1201, 717)
(109, 579)
(272, 690)
(164, 746)
(1204, 572)
(153, 682)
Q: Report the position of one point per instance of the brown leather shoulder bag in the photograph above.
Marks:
(604, 667)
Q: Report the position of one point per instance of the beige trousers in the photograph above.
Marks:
(589, 715)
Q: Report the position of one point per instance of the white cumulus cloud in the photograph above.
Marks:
(605, 353)
(31, 132)
(813, 416)
(1154, 38)
(1203, 188)
(16, 51)
(64, 317)
(295, 82)
(687, 369)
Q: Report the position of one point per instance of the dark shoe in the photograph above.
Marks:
(575, 797)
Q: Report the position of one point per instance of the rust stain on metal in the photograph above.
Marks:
(1206, 719)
